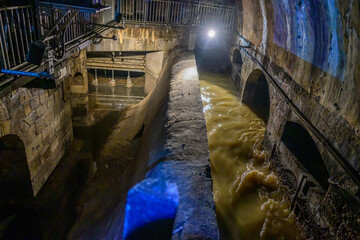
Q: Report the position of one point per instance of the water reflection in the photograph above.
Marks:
(105, 96)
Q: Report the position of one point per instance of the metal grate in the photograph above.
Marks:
(177, 13)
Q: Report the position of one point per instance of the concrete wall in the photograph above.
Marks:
(154, 65)
(309, 48)
(143, 39)
(173, 147)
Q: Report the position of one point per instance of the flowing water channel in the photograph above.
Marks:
(249, 202)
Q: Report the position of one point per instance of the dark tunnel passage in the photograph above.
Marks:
(16, 195)
(237, 60)
(300, 143)
(256, 95)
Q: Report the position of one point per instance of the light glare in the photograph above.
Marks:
(211, 33)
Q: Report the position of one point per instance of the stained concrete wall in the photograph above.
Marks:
(154, 65)
(143, 39)
(179, 152)
(309, 49)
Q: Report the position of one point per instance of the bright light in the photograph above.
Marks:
(211, 33)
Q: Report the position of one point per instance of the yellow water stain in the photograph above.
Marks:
(249, 202)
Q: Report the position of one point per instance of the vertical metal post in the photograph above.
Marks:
(145, 10)
(126, 10)
(10, 38)
(172, 12)
(28, 20)
(18, 20)
(16, 40)
(24, 24)
(4, 64)
(4, 49)
(152, 11)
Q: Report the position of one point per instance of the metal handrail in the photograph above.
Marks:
(178, 13)
(16, 32)
(19, 27)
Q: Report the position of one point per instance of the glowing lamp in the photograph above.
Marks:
(211, 33)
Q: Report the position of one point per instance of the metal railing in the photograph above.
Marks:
(177, 13)
(78, 27)
(16, 32)
(19, 26)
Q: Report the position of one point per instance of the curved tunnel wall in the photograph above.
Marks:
(315, 42)
(309, 50)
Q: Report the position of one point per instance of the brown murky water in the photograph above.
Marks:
(249, 202)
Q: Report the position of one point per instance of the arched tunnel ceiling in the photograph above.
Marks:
(315, 42)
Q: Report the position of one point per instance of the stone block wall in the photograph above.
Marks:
(320, 210)
(42, 120)
(77, 90)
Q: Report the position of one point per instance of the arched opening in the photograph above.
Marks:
(256, 95)
(303, 147)
(237, 60)
(17, 218)
(78, 79)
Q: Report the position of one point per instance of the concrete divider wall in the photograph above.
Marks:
(174, 148)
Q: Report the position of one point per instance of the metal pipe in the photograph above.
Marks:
(29, 74)
(303, 177)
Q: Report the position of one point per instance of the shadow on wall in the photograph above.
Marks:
(256, 95)
(303, 147)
